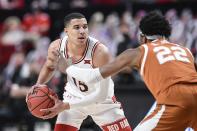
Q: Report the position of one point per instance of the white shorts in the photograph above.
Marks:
(102, 113)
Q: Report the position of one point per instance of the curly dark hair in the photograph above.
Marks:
(154, 23)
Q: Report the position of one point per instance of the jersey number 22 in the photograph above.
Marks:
(165, 54)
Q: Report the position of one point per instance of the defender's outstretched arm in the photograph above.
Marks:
(129, 57)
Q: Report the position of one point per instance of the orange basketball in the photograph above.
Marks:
(39, 98)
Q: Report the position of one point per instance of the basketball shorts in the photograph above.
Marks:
(153, 108)
(176, 112)
(105, 113)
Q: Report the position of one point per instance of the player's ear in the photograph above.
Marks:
(65, 29)
(142, 38)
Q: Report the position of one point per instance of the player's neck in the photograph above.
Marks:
(76, 49)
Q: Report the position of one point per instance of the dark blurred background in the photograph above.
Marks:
(28, 26)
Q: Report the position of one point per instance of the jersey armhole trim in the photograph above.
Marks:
(62, 46)
(144, 59)
(190, 53)
(93, 51)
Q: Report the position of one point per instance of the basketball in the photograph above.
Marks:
(38, 99)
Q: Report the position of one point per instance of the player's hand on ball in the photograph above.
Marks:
(56, 109)
(40, 98)
(32, 89)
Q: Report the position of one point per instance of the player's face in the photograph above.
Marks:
(77, 31)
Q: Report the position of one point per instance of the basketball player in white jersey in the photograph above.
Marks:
(80, 99)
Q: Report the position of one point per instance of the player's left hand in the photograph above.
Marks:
(57, 108)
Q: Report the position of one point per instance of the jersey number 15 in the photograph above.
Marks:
(165, 54)
(82, 86)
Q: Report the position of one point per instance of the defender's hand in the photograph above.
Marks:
(63, 63)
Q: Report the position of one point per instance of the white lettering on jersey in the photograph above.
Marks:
(165, 54)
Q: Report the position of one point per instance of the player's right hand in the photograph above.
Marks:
(56, 109)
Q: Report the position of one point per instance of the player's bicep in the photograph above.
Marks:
(53, 54)
(136, 56)
(50, 63)
(131, 58)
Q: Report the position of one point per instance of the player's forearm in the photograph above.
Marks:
(88, 76)
(114, 67)
(195, 64)
(96, 97)
(45, 75)
(127, 58)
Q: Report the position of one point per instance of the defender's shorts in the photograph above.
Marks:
(176, 116)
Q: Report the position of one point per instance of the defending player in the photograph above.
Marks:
(168, 70)
(96, 100)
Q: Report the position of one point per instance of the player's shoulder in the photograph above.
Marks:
(55, 43)
(101, 49)
(94, 40)
(101, 55)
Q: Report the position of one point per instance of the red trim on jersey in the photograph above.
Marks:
(119, 125)
(92, 53)
(63, 127)
(66, 51)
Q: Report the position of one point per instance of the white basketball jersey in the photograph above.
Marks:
(78, 88)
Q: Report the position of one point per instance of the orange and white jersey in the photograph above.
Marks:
(165, 65)
(78, 88)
